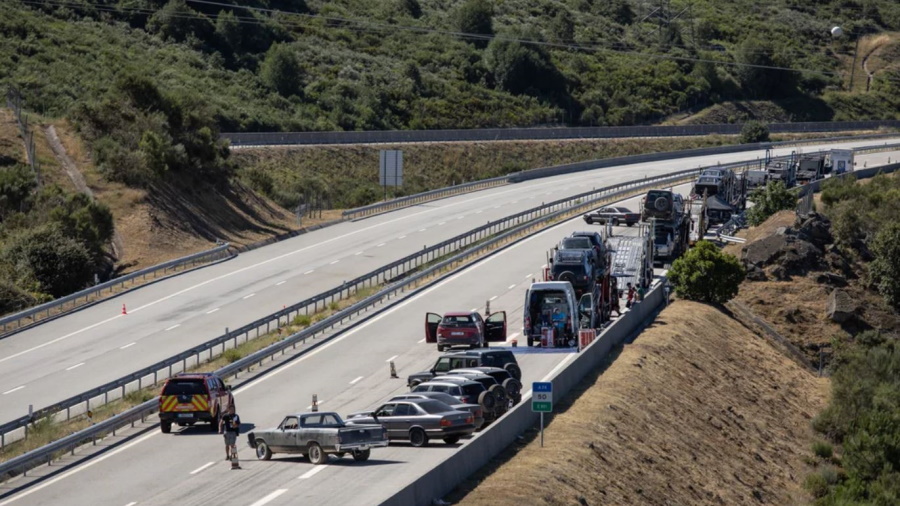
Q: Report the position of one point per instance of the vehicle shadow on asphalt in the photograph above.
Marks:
(204, 429)
(333, 461)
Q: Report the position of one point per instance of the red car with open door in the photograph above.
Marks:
(464, 328)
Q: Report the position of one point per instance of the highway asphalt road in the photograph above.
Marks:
(87, 348)
(350, 373)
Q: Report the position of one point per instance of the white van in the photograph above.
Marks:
(553, 304)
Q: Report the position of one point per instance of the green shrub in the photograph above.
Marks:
(476, 17)
(302, 320)
(281, 70)
(885, 269)
(822, 449)
(706, 274)
(816, 485)
(769, 200)
(334, 305)
(232, 355)
(754, 131)
(139, 396)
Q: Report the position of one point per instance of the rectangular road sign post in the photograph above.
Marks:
(390, 168)
(542, 401)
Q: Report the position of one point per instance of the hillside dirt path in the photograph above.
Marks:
(697, 411)
(78, 180)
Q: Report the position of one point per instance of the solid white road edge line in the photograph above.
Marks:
(204, 466)
(74, 366)
(271, 497)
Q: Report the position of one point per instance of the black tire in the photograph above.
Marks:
(661, 204)
(440, 348)
(316, 455)
(513, 389)
(485, 344)
(567, 276)
(588, 220)
(615, 222)
(502, 399)
(631, 224)
(514, 370)
(417, 437)
(530, 342)
(487, 401)
(361, 455)
(451, 440)
(263, 452)
(165, 427)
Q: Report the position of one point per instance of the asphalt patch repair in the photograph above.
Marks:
(698, 410)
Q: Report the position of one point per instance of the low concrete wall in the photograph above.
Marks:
(441, 480)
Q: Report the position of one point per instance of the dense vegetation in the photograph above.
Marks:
(51, 243)
(768, 200)
(706, 274)
(864, 418)
(864, 224)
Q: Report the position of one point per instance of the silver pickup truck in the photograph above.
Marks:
(318, 435)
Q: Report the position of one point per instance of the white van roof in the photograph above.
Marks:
(552, 285)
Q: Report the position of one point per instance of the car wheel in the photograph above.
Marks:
(484, 343)
(451, 440)
(530, 342)
(487, 401)
(514, 389)
(630, 224)
(502, 399)
(263, 452)
(514, 370)
(589, 220)
(418, 438)
(165, 427)
(361, 455)
(440, 348)
(316, 455)
(615, 222)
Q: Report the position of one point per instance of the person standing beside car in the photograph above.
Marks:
(230, 426)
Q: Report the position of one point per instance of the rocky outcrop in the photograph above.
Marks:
(840, 306)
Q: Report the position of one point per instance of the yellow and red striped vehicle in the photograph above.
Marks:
(190, 398)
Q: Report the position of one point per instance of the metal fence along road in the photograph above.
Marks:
(401, 202)
(515, 134)
(399, 276)
(23, 319)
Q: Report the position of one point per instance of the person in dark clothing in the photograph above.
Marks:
(230, 426)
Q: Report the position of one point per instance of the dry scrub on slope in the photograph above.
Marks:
(698, 410)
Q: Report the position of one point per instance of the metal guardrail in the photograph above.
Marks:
(14, 322)
(511, 134)
(419, 198)
(556, 209)
(380, 207)
(579, 202)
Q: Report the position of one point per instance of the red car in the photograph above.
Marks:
(464, 328)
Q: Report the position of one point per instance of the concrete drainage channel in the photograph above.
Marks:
(276, 354)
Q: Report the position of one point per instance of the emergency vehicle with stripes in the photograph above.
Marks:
(190, 398)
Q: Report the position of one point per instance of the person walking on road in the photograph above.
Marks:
(230, 426)
(631, 293)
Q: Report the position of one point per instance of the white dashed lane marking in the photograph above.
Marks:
(392, 358)
(178, 325)
(280, 283)
(211, 311)
(76, 366)
(204, 466)
(310, 271)
(356, 380)
(271, 497)
(510, 287)
(14, 390)
(248, 296)
(312, 472)
(129, 345)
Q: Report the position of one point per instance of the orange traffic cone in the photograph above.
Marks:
(123, 309)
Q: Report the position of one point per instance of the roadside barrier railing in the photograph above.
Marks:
(18, 321)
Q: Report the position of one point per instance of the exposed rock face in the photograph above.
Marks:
(787, 254)
(840, 307)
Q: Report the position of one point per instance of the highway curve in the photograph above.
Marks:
(87, 348)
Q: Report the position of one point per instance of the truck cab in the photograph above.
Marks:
(551, 305)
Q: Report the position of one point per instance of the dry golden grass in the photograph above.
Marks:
(765, 229)
(697, 411)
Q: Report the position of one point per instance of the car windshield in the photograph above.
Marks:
(433, 406)
(445, 398)
(623, 210)
(458, 321)
(576, 243)
(184, 387)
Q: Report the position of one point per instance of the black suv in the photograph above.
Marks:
(467, 359)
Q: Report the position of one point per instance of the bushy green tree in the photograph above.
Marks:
(177, 21)
(281, 70)
(16, 184)
(476, 17)
(50, 261)
(706, 274)
(411, 8)
(756, 74)
(754, 131)
(523, 68)
(885, 269)
(769, 200)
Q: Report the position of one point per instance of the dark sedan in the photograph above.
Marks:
(418, 420)
(616, 216)
(449, 400)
